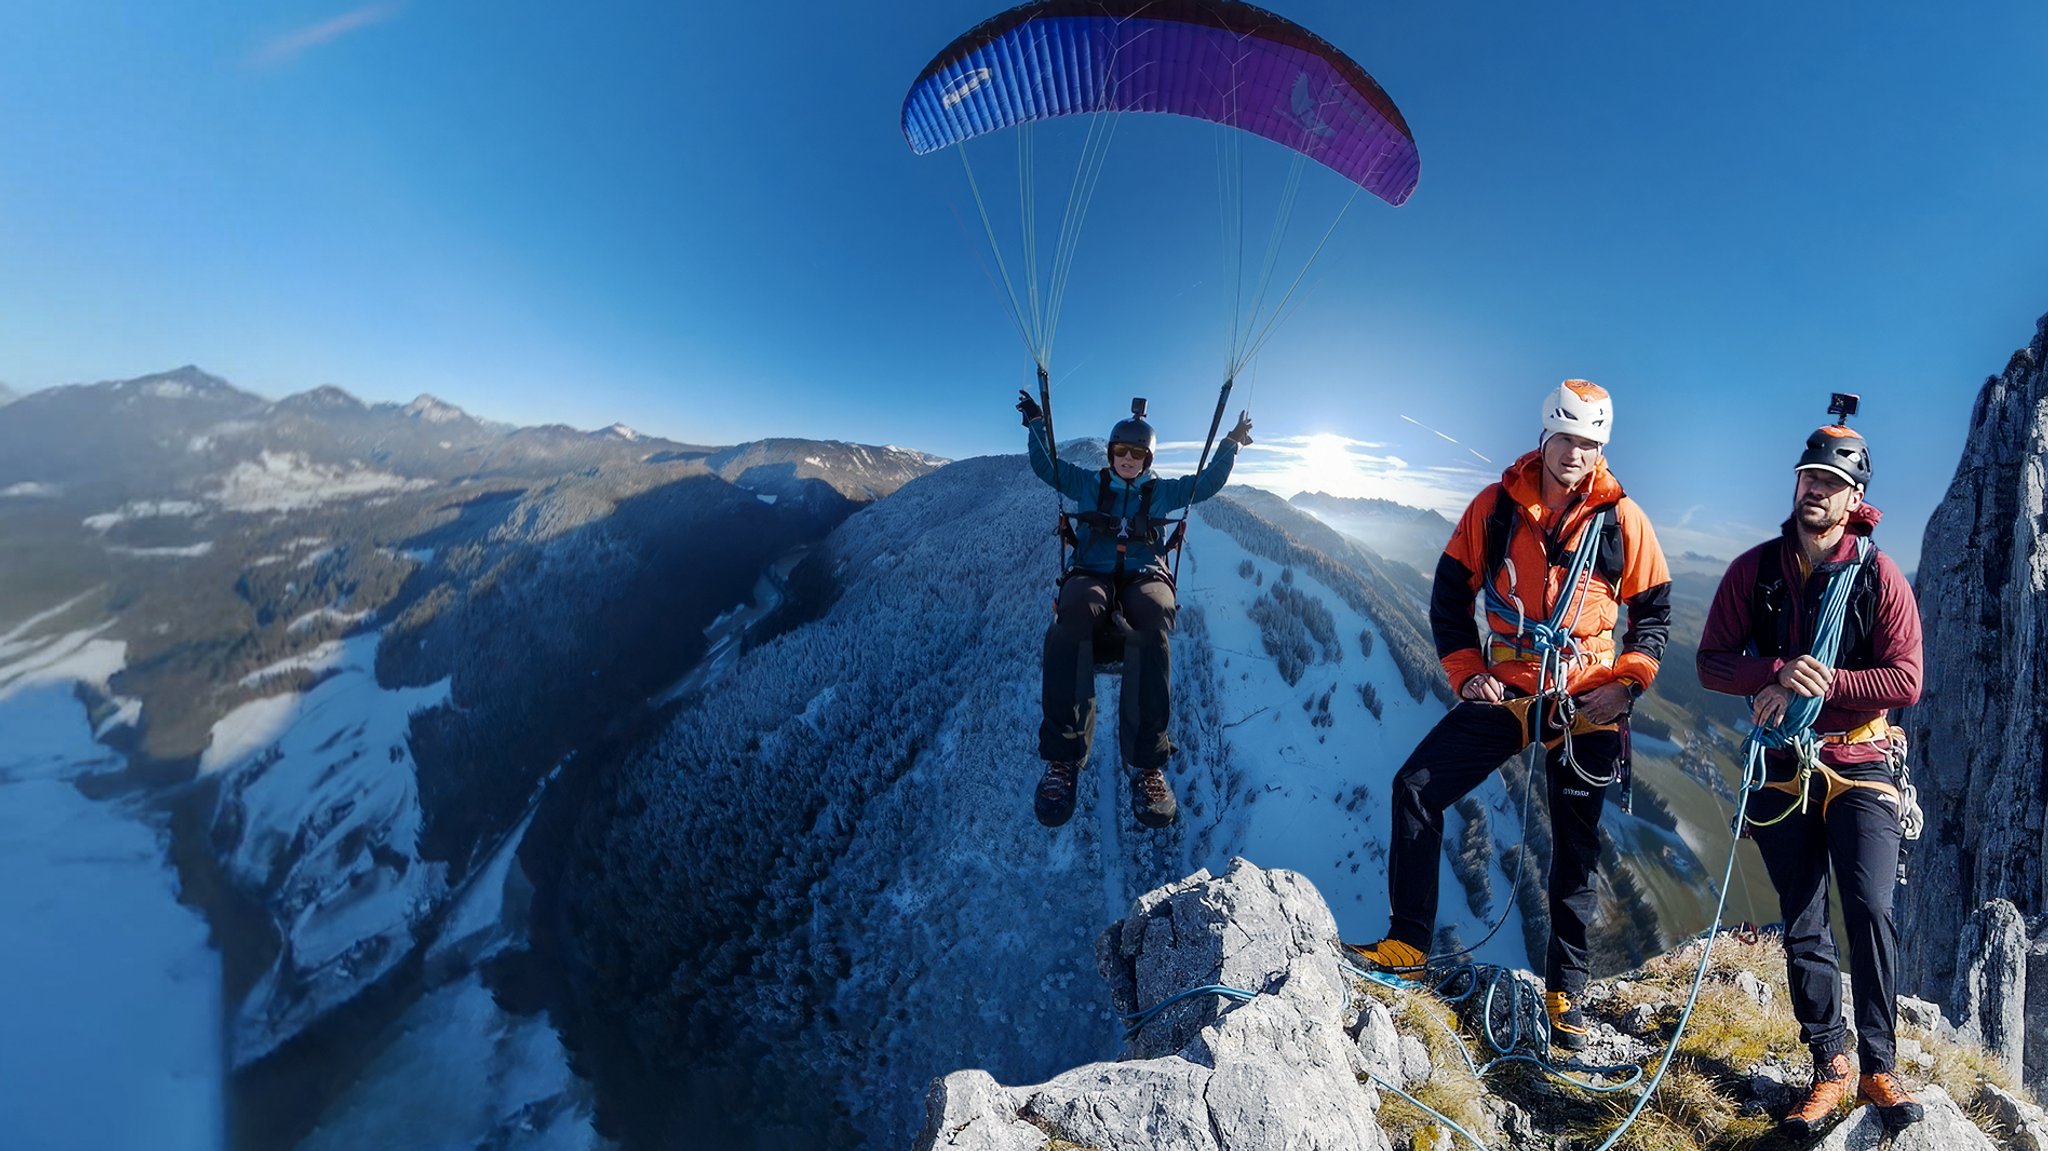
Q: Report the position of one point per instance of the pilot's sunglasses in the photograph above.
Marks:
(1127, 452)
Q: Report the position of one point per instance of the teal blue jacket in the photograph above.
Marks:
(1097, 549)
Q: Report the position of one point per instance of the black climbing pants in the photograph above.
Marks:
(1456, 756)
(1858, 843)
(1069, 685)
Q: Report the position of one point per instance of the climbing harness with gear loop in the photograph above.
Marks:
(1553, 642)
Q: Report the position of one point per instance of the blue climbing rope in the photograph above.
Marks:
(1136, 1022)
(1793, 730)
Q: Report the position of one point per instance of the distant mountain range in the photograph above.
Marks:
(357, 640)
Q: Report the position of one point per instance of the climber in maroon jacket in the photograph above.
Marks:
(1842, 813)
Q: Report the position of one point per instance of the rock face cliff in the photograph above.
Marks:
(1980, 736)
(1303, 1053)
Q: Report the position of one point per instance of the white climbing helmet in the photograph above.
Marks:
(1581, 408)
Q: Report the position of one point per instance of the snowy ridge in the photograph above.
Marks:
(319, 819)
(884, 757)
(284, 481)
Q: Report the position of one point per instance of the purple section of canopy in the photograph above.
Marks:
(1295, 90)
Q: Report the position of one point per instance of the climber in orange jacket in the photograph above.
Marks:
(1555, 549)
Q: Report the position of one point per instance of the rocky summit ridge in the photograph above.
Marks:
(1303, 1052)
(1974, 919)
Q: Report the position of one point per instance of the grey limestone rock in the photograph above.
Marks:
(1924, 1015)
(2026, 1126)
(1209, 1073)
(1991, 980)
(1979, 732)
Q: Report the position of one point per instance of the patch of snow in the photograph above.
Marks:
(1293, 805)
(322, 795)
(326, 657)
(290, 481)
(461, 1072)
(446, 444)
(188, 551)
(477, 928)
(344, 618)
(27, 489)
(814, 461)
(315, 556)
(78, 656)
(107, 984)
(199, 443)
(421, 556)
(143, 510)
(127, 715)
(766, 497)
(12, 642)
(169, 390)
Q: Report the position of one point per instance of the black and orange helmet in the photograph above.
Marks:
(1837, 448)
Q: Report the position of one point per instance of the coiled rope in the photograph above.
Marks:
(1793, 731)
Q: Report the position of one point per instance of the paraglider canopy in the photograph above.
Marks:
(1216, 60)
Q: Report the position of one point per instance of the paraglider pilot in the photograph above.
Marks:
(1121, 568)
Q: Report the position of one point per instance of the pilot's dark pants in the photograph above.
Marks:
(1149, 608)
(1457, 755)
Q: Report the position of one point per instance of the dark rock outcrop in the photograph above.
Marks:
(1980, 735)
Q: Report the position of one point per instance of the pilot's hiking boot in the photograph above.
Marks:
(1896, 1107)
(1830, 1090)
(1152, 798)
(1389, 955)
(1055, 800)
(1567, 1022)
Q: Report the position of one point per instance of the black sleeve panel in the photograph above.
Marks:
(1451, 599)
(1649, 622)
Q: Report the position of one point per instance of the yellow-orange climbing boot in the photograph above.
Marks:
(1567, 1022)
(1389, 955)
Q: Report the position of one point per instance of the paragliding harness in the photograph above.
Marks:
(1111, 631)
(1852, 592)
(1141, 528)
(1550, 716)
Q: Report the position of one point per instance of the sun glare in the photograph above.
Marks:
(1327, 464)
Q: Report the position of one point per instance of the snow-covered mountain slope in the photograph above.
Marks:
(356, 641)
(107, 985)
(831, 864)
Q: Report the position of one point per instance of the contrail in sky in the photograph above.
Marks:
(1440, 435)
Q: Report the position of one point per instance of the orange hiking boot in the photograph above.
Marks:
(1829, 1091)
(1389, 955)
(1567, 1022)
(1896, 1107)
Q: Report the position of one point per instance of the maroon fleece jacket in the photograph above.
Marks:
(1860, 692)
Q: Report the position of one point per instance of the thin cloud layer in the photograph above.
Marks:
(287, 48)
(1340, 466)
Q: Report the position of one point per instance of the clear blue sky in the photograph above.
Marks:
(703, 221)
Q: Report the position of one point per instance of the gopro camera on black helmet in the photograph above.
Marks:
(1135, 429)
(1836, 447)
